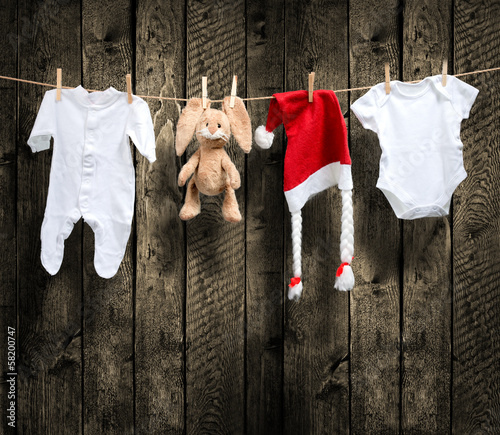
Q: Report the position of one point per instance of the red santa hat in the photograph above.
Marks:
(317, 157)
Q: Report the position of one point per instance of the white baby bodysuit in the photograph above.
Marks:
(418, 126)
(92, 174)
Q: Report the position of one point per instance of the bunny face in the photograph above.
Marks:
(194, 119)
(213, 129)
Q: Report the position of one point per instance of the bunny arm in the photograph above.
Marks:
(189, 168)
(232, 172)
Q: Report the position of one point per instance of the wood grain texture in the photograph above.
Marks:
(8, 181)
(215, 310)
(426, 296)
(427, 289)
(108, 314)
(160, 283)
(264, 232)
(316, 353)
(375, 299)
(195, 334)
(49, 365)
(476, 229)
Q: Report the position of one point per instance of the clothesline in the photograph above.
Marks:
(245, 99)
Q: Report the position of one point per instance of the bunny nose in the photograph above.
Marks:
(212, 129)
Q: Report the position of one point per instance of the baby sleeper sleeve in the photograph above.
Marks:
(366, 110)
(463, 96)
(44, 127)
(140, 129)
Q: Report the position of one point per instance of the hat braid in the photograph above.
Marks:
(296, 286)
(345, 275)
(297, 242)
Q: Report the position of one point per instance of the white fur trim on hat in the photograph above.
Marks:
(328, 176)
(295, 291)
(345, 281)
(263, 138)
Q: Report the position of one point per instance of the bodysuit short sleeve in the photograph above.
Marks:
(463, 96)
(366, 110)
(140, 129)
(45, 123)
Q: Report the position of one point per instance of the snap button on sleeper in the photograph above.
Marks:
(417, 210)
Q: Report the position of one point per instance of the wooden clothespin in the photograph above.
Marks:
(129, 88)
(59, 84)
(233, 92)
(387, 79)
(445, 71)
(311, 86)
(204, 92)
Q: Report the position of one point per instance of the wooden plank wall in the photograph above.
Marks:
(195, 334)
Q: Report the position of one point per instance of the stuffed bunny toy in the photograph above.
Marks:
(212, 169)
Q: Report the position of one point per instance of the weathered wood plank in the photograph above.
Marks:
(375, 300)
(160, 283)
(316, 329)
(8, 230)
(108, 314)
(49, 394)
(215, 249)
(264, 232)
(476, 229)
(426, 324)
(316, 384)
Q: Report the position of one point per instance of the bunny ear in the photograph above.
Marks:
(240, 122)
(187, 124)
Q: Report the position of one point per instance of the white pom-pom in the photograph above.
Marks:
(345, 281)
(263, 138)
(295, 292)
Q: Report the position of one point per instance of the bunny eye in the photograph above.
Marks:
(218, 125)
(207, 124)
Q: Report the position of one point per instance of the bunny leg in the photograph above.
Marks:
(230, 208)
(191, 206)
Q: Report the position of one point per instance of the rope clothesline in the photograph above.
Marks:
(245, 99)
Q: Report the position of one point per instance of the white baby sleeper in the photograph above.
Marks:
(418, 126)
(92, 174)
